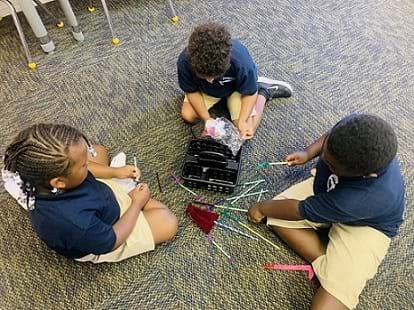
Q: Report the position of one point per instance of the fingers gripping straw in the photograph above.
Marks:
(223, 131)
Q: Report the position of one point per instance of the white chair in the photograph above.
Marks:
(30, 63)
(115, 38)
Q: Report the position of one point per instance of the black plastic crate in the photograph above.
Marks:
(211, 165)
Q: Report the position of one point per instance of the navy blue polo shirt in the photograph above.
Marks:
(240, 77)
(79, 221)
(376, 202)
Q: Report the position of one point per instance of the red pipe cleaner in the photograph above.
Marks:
(202, 218)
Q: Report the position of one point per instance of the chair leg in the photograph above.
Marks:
(174, 17)
(30, 63)
(91, 7)
(42, 6)
(71, 19)
(115, 39)
(35, 22)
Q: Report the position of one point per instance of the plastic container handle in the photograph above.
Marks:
(213, 155)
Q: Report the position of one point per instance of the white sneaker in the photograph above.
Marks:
(119, 160)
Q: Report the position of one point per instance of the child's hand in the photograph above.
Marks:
(140, 194)
(127, 171)
(297, 158)
(254, 215)
(246, 130)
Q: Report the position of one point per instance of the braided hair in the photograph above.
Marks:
(40, 153)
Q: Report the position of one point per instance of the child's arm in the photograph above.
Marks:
(197, 102)
(247, 104)
(107, 172)
(123, 227)
(312, 151)
(284, 209)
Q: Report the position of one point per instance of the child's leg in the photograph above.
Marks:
(102, 155)
(325, 301)
(352, 257)
(304, 241)
(162, 221)
(234, 103)
(189, 114)
(155, 224)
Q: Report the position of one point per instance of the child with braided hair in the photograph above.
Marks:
(75, 205)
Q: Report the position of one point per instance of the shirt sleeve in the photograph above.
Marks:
(247, 80)
(333, 207)
(186, 79)
(98, 239)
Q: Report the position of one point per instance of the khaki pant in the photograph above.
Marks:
(139, 241)
(353, 253)
(234, 103)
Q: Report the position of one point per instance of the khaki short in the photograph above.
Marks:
(234, 103)
(139, 241)
(352, 256)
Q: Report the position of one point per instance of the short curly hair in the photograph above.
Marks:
(362, 143)
(209, 50)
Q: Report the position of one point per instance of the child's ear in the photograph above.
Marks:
(58, 183)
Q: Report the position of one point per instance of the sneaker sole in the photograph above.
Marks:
(262, 79)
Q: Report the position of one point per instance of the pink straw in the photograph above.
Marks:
(307, 268)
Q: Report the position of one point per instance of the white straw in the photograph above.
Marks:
(244, 193)
(247, 195)
(136, 167)
(221, 249)
(187, 189)
(259, 235)
(260, 195)
(278, 163)
(230, 208)
(253, 182)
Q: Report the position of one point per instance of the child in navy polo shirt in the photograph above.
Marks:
(74, 213)
(214, 66)
(357, 193)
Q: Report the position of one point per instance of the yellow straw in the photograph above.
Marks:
(257, 234)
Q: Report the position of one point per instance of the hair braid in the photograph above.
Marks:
(40, 153)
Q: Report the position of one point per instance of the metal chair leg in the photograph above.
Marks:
(35, 22)
(71, 19)
(59, 23)
(30, 63)
(115, 39)
(174, 17)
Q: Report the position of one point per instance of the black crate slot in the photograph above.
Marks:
(210, 165)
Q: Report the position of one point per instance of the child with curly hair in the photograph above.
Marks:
(213, 67)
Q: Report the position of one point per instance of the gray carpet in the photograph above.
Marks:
(341, 57)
